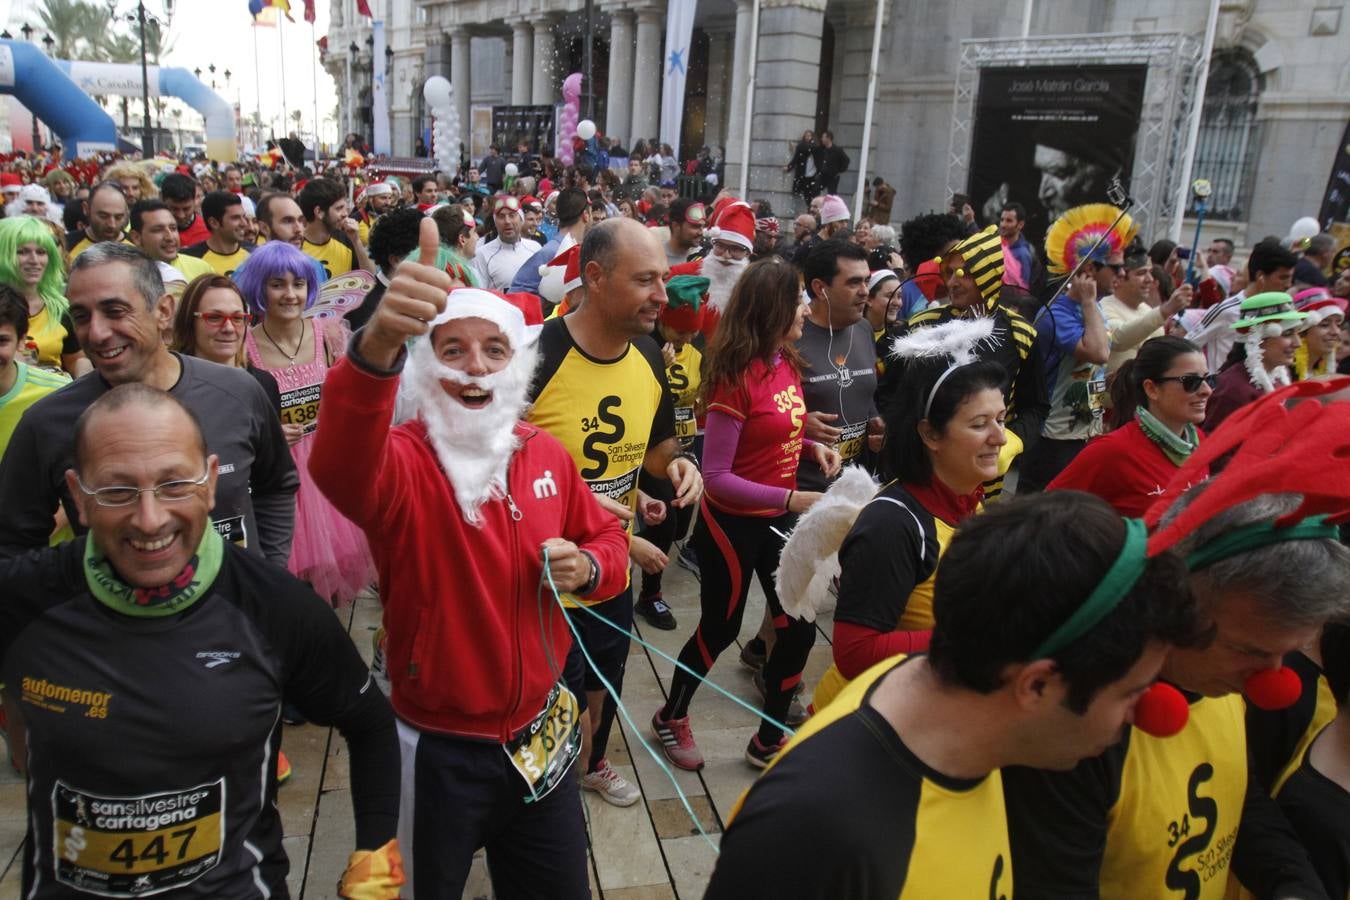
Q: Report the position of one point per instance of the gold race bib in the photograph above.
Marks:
(129, 846)
(544, 751)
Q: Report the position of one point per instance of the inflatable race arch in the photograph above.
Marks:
(59, 92)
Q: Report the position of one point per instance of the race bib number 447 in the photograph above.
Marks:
(134, 846)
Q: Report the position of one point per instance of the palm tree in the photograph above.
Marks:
(121, 48)
(74, 26)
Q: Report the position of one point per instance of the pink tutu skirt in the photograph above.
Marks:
(328, 551)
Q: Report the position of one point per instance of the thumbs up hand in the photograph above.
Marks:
(415, 296)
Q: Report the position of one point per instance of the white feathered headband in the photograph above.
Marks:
(957, 340)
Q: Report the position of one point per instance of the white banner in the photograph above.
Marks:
(679, 32)
(6, 66)
(379, 96)
(103, 79)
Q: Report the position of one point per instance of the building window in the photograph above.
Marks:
(1230, 135)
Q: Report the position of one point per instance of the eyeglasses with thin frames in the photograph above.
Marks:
(115, 496)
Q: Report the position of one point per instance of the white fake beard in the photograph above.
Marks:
(1255, 363)
(723, 275)
(474, 446)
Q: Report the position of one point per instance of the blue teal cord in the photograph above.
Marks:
(547, 576)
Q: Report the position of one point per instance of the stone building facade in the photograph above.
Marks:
(1278, 105)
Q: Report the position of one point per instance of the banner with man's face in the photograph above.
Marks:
(1051, 138)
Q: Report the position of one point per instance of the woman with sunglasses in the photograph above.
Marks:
(277, 280)
(210, 324)
(1158, 401)
(754, 437)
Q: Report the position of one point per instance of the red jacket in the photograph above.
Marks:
(466, 652)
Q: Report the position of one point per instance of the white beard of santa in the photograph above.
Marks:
(474, 446)
(723, 275)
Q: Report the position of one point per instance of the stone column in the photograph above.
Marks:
(522, 62)
(740, 72)
(647, 69)
(459, 77)
(785, 92)
(619, 100)
(545, 91)
(715, 114)
(437, 55)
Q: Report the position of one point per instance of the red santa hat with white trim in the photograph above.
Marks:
(735, 224)
(517, 315)
(561, 275)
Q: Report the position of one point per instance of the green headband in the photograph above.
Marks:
(1260, 534)
(1113, 587)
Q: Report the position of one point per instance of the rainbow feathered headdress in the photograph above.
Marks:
(1073, 235)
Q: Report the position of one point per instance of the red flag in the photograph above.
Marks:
(363, 7)
(309, 11)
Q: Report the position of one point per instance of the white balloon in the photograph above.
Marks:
(437, 91)
(511, 170)
(585, 129)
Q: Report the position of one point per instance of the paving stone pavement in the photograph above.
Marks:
(650, 850)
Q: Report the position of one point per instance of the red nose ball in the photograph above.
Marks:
(1272, 689)
(1162, 711)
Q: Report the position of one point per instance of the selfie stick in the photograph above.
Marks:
(1200, 190)
(1115, 192)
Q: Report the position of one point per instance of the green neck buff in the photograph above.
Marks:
(187, 588)
(1176, 447)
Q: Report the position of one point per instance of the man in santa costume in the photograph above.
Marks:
(732, 230)
(466, 509)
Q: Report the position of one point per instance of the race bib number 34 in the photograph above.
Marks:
(133, 846)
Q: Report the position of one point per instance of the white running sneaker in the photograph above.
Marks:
(610, 785)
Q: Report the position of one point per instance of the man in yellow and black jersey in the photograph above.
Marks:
(331, 235)
(1173, 817)
(600, 389)
(228, 246)
(894, 789)
(973, 273)
(678, 330)
(108, 214)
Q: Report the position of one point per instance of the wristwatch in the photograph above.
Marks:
(594, 580)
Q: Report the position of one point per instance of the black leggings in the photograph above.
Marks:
(671, 529)
(730, 550)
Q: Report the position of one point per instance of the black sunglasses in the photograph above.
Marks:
(1190, 383)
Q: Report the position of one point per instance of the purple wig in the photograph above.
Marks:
(272, 260)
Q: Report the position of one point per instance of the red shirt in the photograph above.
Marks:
(194, 233)
(1124, 468)
(768, 401)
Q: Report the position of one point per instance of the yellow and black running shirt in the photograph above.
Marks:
(221, 263)
(605, 412)
(867, 819)
(684, 378)
(1153, 817)
(335, 255)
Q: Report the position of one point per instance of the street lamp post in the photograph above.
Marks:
(27, 32)
(147, 134)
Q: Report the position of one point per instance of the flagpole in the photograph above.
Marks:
(257, 88)
(749, 101)
(867, 116)
(281, 59)
(314, 74)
